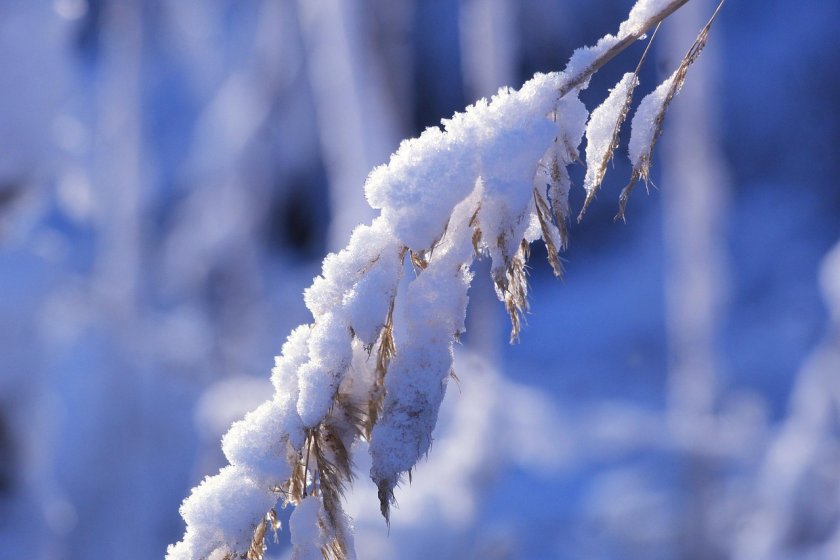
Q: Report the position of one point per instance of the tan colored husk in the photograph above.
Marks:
(325, 469)
(385, 493)
(546, 226)
(512, 283)
(258, 546)
(560, 208)
(335, 471)
(418, 261)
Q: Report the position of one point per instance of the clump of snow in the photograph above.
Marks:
(367, 303)
(599, 131)
(429, 175)
(342, 270)
(294, 353)
(572, 116)
(350, 298)
(421, 183)
(307, 538)
(642, 12)
(643, 127)
(330, 352)
(583, 57)
(253, 443)
(222, 513)
(434, 308)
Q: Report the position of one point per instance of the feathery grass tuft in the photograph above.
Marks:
(512, 285)
(550, 233)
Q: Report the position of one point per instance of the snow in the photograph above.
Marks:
(643, 126)
(368, 301)
(642, 12)
(307, 539)
(338, 276)
(572, 116)
(583, 57)
(429, 175)
(350, 298)
(221, 513)
(599, 131)
(434, 308)
(421, 183)
(293, 354)
(330, 353)
(253, 445)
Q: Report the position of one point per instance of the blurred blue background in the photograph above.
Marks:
(172, 174)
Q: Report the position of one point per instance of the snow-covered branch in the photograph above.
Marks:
(376, 359)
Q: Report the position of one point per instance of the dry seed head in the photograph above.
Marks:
(512, 286)
(258, 546)
(334, 472)
(558, 197)
(549, 232)
(296, 491)
(601, 169)
(476, 240)
(418, 261)
(641, 171)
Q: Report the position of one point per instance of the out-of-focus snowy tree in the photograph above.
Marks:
(358, 122)
(797, 485)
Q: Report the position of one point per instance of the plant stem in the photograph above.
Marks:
(612, 52)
